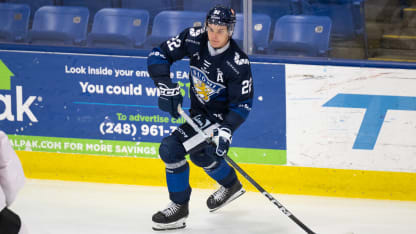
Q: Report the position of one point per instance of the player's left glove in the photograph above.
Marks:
(170, 98)
(222, 139)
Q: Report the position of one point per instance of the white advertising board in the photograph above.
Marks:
(351, 117)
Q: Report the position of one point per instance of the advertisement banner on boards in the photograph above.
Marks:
(107, 105)
(351, 117)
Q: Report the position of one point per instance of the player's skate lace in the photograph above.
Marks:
(171, 209)
(220, 194)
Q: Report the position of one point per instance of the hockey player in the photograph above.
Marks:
(221, 99)
(11, 180)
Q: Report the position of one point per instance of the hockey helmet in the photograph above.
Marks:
(220, 15)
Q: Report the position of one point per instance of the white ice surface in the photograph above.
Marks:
(59, 207)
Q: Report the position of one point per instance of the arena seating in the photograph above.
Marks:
(168, 24)
(301, 35)
(34, 4)
(93, 5)
(347, 16)
(204, 5)
(153, 6)
(348, 20)
(261, 31)
(14, 22)
(59, 25)
(118, 27)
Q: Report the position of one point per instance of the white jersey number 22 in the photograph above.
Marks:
(173, 43)
(246, 86)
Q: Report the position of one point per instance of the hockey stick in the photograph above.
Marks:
(245, 175)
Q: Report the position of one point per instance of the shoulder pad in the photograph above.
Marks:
(196, 31)
(194, 36)
(237, 56)
(240, 58)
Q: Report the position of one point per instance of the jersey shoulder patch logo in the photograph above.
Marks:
(196, 32)
(204, 88)
(240, 61)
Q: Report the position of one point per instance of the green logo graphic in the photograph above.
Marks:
(5, 75)
(187, 85)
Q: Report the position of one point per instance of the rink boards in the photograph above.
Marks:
(314, 129)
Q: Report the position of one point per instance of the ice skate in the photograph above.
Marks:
(223, 196)
(173, 217)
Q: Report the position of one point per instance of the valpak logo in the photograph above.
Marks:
(22, 107)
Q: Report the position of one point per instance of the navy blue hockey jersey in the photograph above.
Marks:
(221, 85)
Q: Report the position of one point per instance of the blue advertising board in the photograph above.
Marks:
(107, 105)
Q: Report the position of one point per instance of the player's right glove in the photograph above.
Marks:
(170, 98)
(222, 138)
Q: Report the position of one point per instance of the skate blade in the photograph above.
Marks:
(232, 198)
(169, 226)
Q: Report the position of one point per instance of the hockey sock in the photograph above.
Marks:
(9, 222)
(223, 173)
(178, 184)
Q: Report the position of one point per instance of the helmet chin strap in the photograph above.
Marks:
(213, 51)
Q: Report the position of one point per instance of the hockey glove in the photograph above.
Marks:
(222, 139)
(170, 98)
